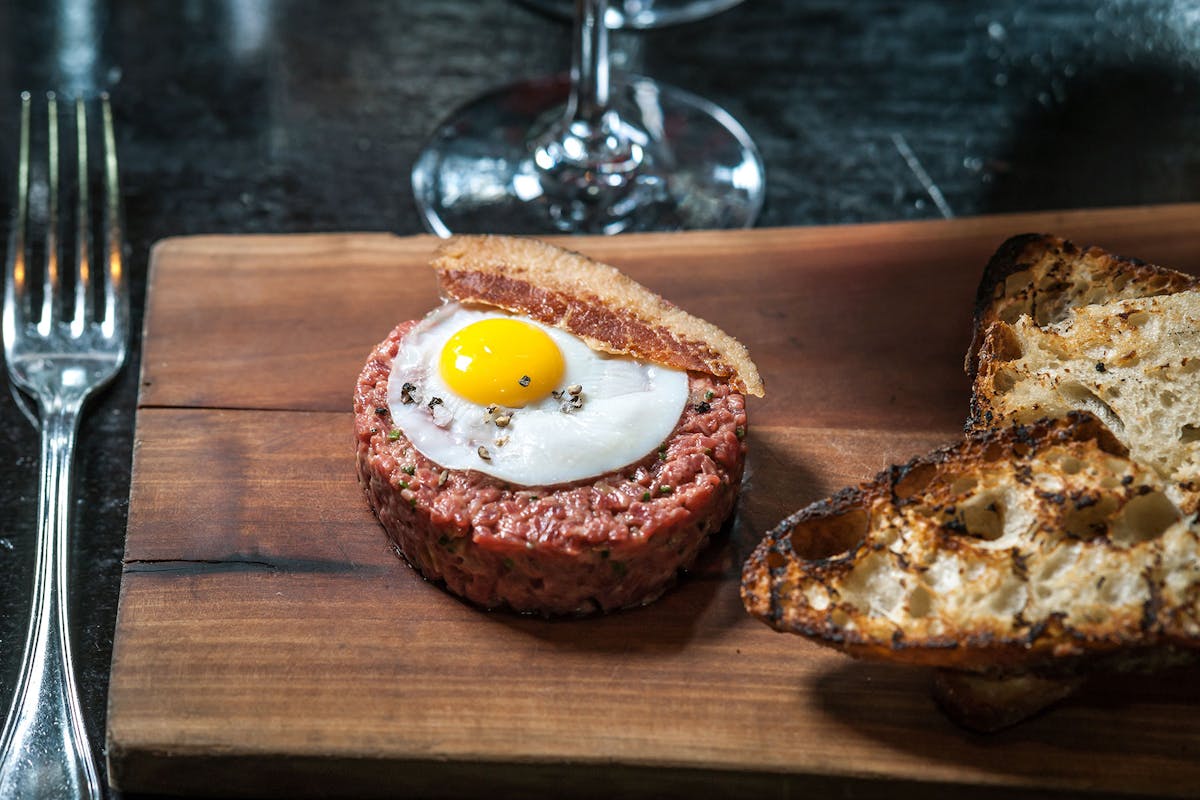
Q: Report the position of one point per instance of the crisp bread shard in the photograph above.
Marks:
(608, 310)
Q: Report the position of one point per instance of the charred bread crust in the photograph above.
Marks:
(1044, 275)
(608, 310)
(896, 542)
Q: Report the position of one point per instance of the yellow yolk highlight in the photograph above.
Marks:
(500, 361)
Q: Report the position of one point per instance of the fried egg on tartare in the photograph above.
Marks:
(476, 388)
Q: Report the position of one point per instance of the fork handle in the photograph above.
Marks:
(45, 751)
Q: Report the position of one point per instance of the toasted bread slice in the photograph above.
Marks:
(1032, 548)
(608, 310)
(1087, 330)
(1134, 363)
(1043, 276)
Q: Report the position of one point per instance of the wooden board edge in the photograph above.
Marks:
(1113, 219)
(261, 776)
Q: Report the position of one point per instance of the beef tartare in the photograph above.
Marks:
(601, 544)
(555, 437)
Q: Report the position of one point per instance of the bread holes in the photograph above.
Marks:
(1010, 286)
(1002, 343)
(1003, 381)
(963, 485)
(1189, 434)
(1089, 517)
(1138, 318)
(826, 537)
(1083, 398)
(1167, 399)
(875, 586)
(982, 516)
(1114, 474)
(920, 602)
(1048, 308)
(993, 452)
(1143, 519)
(1009, 598)
(914, 480)
(1069, 464)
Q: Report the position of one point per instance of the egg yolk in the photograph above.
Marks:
(500, 361)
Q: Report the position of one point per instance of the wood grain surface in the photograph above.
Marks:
(269, 642)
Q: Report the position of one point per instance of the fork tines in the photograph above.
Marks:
(78, 167)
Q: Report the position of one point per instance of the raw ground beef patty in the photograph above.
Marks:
(601, 544)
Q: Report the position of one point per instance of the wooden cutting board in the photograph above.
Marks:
(269, 642)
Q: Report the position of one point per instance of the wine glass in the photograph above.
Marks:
(596, 153)
(642, 14)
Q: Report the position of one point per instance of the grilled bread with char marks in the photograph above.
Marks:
(1014, 563)
(1064, 328)
(1047, 543)
(1032, 548)
(1043, 276)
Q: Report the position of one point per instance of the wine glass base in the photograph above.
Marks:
(476, 174)
(641, 14)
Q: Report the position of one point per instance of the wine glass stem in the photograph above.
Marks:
(589, 64)
(590, 137)
(591, 164)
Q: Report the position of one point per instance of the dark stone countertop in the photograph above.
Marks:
(246, 116)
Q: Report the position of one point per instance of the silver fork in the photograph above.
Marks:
(59, 350)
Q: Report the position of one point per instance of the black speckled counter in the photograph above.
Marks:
(249, 116)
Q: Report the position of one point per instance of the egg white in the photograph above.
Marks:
(628, 409)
